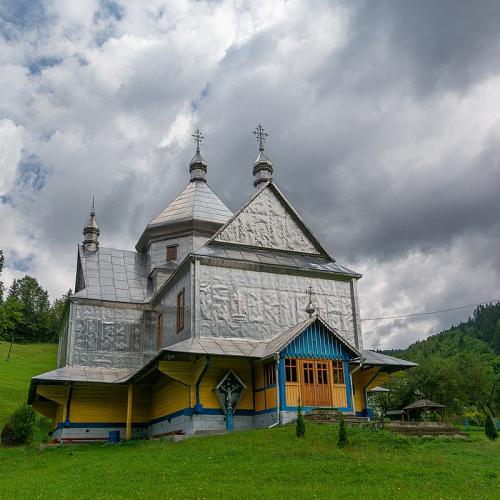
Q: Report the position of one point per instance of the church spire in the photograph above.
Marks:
(198, 165)
(91, 232)
(262, 166)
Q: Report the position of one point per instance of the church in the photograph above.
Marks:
(217, 321)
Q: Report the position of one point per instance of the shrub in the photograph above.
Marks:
(343, 441)
(20, 427)
(300, 427)
(489, 428)
(474, 416)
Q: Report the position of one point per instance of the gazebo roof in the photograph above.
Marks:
(379, 389)
(424, 404)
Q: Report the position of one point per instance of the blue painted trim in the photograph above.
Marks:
(198, 407)
(269, 386)
(348, 385)
(94, 425)
(67, 421)
(281, 376)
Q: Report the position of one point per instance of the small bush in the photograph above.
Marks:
(489, 429)
(474, 416)
(300, 426)
(20, 427)
(343, 441)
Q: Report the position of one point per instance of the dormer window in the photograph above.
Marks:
(172, 252)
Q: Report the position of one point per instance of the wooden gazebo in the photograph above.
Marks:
(423, 407)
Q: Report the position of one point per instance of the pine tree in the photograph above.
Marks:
(343, 441)
(300, 428)
(489, 429)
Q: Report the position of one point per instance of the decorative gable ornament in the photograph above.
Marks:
(269, 221)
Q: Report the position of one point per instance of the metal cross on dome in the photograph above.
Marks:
(198, 139)
(309, 291)
(261, 135)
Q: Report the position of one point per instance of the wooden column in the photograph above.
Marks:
(128, 431)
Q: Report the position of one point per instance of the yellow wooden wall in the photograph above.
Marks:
(265, 398)
(217, 369)
(168, 396)
(104, 403)
(360, 379)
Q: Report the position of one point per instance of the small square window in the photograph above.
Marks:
(172, 252)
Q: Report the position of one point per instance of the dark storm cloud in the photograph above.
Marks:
(383, 122)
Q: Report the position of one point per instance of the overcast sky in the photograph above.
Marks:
(383, 119)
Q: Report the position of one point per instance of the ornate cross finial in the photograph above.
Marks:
(198, 139)
(261, 135)
(310, 308)
(309, 291)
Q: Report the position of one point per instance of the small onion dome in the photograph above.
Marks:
(91, 232)
(198, 167)
(262, 168)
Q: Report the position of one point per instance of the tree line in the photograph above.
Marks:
(26, 313)
(459, 367)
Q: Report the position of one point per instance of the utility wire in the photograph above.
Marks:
(431, 312)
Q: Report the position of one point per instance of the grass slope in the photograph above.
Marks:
(262, 463)
(25, 361)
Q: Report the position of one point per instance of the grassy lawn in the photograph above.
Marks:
(262, 463)
(25, 361)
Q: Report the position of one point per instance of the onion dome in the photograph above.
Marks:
(262, 166)
(198, 165)
(91, 232)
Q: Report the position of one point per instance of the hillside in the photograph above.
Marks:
(458, 367)
(480, 334)
(25, 361)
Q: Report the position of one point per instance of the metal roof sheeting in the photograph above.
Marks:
(379, 359)
(271, 257)
(250, 348)
(86, 374)
(196, 201)
(115, 275)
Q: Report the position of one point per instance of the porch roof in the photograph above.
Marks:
(252, 348)
(374, 358)
(85, 374)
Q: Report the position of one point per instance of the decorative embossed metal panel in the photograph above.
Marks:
(267, 222)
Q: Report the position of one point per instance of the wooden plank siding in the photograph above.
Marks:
(216, 371)
(265, 397)
(169, 396)
(360, 379)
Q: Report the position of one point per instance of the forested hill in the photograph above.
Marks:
(479, 334)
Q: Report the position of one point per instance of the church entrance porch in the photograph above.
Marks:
(310, 382)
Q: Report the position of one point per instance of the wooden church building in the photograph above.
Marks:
(216, 321)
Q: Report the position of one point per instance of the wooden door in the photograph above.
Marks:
(323, 384)
(316, 383)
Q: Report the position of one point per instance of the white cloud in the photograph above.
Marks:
(389, 153)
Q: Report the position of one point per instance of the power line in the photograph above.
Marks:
(431, 312)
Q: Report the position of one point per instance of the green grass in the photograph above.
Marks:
(25, 361)
(261, 463)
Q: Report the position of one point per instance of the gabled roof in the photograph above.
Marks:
(243, 219)
(114, 275)
(252, 348)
